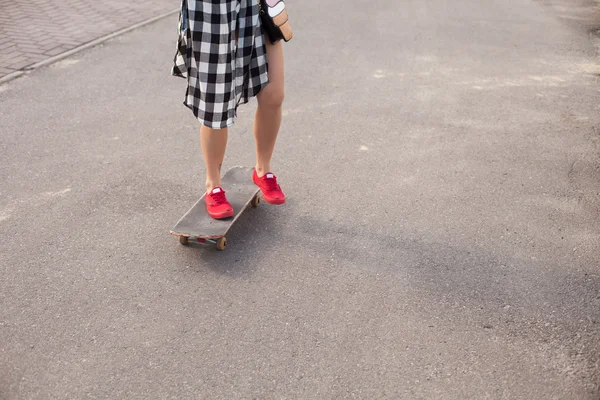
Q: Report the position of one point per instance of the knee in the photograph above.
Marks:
(271, 97)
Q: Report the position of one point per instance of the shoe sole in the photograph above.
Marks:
(274, 202)
(220, 216)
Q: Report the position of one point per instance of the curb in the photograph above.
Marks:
(93, 43)
(11, 76)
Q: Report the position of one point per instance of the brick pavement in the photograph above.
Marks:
(35, 30)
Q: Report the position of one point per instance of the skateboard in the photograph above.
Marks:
(196, 225)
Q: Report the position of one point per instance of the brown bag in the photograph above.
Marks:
(275, 22)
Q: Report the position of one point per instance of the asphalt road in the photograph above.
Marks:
(440, 241)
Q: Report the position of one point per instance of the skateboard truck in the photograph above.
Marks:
(220, 243)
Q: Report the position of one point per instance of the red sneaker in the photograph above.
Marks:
(217, 205)
(271, 191)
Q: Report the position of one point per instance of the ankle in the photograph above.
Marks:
(211, 185)
(261, 170)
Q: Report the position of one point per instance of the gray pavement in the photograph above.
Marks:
(33, 31)
(441, 238)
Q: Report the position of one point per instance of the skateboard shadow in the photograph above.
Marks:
(454, 277)
(457, 276)
(245, 247)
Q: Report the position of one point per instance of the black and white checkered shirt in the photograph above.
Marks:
(221, 73)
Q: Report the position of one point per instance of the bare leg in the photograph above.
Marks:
(214, 143)
(268, 115)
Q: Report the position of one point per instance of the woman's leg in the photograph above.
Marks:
(268, 115)
(214, 143)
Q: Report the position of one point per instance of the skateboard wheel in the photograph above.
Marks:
(183, 240)
(255, 201)
(221, 243)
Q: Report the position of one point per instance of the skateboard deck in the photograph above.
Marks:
(197, 225)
